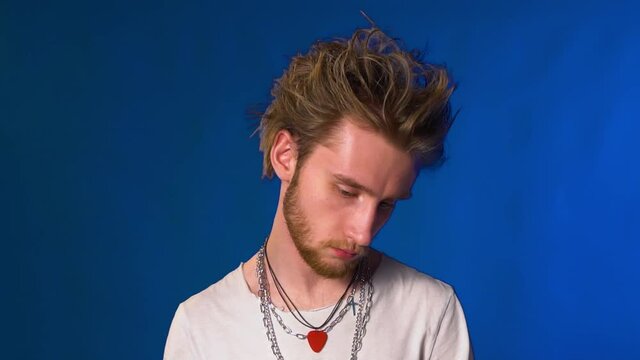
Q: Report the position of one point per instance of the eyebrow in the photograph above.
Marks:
(356, 185)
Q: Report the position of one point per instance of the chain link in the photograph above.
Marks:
(265, 300)
(328, 328)
(267, 308)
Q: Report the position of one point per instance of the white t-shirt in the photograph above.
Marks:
(413, 316)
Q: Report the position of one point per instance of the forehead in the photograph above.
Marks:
(366, 156)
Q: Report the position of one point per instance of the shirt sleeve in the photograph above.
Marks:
(452, 339)
(179, 341)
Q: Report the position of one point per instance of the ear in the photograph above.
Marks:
(284, 155)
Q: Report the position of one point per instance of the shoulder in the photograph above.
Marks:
(213, 320)
(217, 296)
(419, 309)
(406, 282)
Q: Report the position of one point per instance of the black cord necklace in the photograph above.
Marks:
(295, 312)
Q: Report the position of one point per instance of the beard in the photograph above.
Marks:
(300, 231)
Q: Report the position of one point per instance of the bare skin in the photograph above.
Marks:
(346, 191)
(323, 300)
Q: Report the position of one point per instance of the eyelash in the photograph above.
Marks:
(386, 206)
(348, 194)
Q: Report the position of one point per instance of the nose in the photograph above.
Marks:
(361, 224)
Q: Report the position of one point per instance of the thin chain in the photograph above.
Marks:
(327, 329)
(366, 296)
(295, 312)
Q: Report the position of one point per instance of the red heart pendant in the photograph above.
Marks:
(317, 339)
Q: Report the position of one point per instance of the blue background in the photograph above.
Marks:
(130, 181)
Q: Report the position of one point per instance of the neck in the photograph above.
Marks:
(303, 285)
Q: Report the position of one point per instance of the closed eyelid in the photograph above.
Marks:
(346, 182)
(349, 185)
(346, 191)
(388, 204)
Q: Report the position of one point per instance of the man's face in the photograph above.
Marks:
(342, 195)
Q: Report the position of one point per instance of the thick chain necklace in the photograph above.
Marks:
(267, 308)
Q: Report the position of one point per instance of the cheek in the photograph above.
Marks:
(326, 212)
(318, 198)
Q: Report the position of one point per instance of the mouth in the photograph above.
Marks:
(344, 253)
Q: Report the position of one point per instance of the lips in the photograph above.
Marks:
(344, 253)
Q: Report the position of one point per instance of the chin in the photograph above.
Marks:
(335, 268)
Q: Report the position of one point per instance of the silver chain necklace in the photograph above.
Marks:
(267, 307)
(295, 313)
(327, 328)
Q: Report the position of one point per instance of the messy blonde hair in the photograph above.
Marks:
(370, 78)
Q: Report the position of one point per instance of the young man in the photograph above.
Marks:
(350, 126)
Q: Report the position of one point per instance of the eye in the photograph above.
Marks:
(346, 193)
(386, 206)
